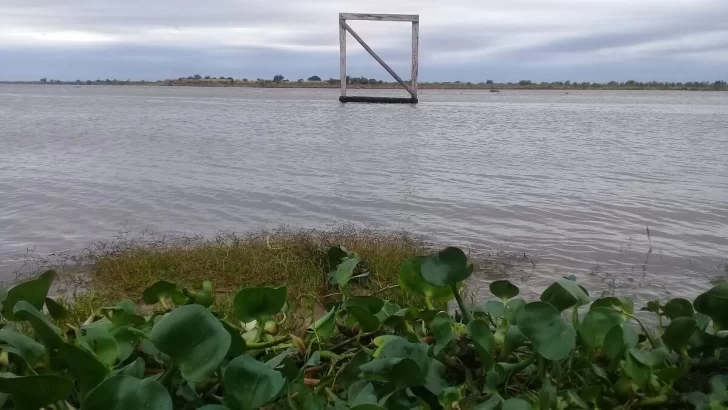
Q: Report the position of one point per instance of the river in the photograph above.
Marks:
(572, 179)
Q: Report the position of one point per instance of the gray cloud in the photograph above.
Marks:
(460, 39)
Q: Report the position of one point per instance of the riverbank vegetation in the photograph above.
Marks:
(171, 346)
(279, 81)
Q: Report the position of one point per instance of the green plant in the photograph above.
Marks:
(365, 352)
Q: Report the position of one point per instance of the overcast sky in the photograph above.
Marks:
(468, 40)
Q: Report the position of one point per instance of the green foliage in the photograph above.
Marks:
(365, 352)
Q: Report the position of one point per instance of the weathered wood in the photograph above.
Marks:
(379, 17)
(376, 57)
(382, 100)
(415, 55)
(342, 57)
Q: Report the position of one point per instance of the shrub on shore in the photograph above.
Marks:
(366, 352)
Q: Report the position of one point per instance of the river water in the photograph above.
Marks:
(572, 179)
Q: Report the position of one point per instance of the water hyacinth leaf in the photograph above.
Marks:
(127, 339)
(366, 320)
(494, 308)
(403, 372)
(133, 369)
(435, 381)
(504, 289)
(564, 294)
(345, 270)
(483, 340)
(492, 403)
(367, 407)
(55, 309)
(49, 334)
(123, 314)
(158, 291)
(411, 281)
(30, 350)
(638, 372)
(324, 327)
(401, 348)
(512, 340)
(86, 369)
(446, 268)
(650, 358)
(516, 404)
(101, 342)
(335, 255)
(32, 291)
(237, 343)
(370, 303)
(596, 324)
(513, 307)
(449, 396)
(617, 303)
(258, 303)
(679, 332)
(361, 392)
(213, 407)
(618, 339)
(714, 303)
(195, 340)
(350, 372)
(123, 392)
(204, 297)
(35, 392)
(552, 337)
(678, 307)
(442, 329)
(250, 384)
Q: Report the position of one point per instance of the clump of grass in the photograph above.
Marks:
(295, 258)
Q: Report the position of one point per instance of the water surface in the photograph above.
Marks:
(571, 179)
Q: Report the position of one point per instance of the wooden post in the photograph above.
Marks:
(415, 55)
(342, 56)
(411, 87)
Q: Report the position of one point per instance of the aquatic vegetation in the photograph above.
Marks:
(565, 350)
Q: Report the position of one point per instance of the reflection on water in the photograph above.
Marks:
(571, 180)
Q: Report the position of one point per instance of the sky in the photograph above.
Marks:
(466, 40)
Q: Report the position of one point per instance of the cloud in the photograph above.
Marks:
(539, 39)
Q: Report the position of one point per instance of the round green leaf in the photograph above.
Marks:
(258, 303)
(411, 281)
(158, 291)
(678, 307)
(618, 339)
(504, 289)
(714, 303)
(442, 329)
(483, 340)
(49, 334)
(30, 350)
(513, 339)
(495, 308)
(679, 332)
(617, 303)
(651, 358)
(237, 343)
(55, 309)
(86, 369)
(32, 291)
(366, 320)
(513, 307)
(552, 337)
(564, 294)
(250, 384)
(403, 372)
(345, 270)
(596, 324)
(127, 339)
(35, 392)
(195, 340)
(134, 369)
(446, 268)
(213, 407)
(516, 404)
(128, 393)
(100, 341)
(324, 327)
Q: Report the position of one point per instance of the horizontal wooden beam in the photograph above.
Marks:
(380, 17)
(380, 100)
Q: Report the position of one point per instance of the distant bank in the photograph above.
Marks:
(365, 83)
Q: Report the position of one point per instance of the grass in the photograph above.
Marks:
(123, 268)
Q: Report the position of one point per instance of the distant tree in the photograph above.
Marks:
(245, 80)
(525, 82)
(78, 82)
(631, 82)
(333, 81)
(43, 80)
(197, 77)
(489, 82)
(278, 78)
(380, 82)
(108, 81)
(207, 77)
(372, 81)
(314, 78)
(300, 81)
(89, 82)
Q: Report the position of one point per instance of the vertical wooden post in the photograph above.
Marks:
(342, 56)
(415, 55)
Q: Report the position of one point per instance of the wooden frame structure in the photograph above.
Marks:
(411, 87)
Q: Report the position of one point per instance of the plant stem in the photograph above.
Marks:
(467, 316)
(428, 303)
(167, 376)
(267, 345)
(646, 332)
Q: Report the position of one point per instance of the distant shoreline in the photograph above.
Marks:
(334, 84)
